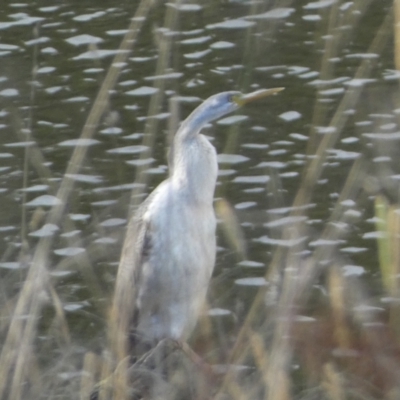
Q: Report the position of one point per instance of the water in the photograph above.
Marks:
(213, 46)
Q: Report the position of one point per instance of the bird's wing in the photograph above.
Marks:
(135, 249)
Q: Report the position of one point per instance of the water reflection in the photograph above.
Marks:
(54, 59)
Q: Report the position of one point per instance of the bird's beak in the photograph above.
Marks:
(258, 94)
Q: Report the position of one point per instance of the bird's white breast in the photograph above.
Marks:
(176, 275)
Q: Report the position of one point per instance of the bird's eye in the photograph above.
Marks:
(232, 98)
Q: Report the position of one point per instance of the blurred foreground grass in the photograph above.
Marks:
(314, 332)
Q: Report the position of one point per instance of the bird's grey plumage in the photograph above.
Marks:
(169, 251)
(176, 240)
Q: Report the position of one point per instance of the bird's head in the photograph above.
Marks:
(224, 103)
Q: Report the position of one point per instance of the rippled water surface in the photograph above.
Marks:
(54, 57)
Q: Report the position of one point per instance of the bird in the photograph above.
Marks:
(169, 251)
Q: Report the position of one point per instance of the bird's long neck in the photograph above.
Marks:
(194, 123)
(194, 165)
